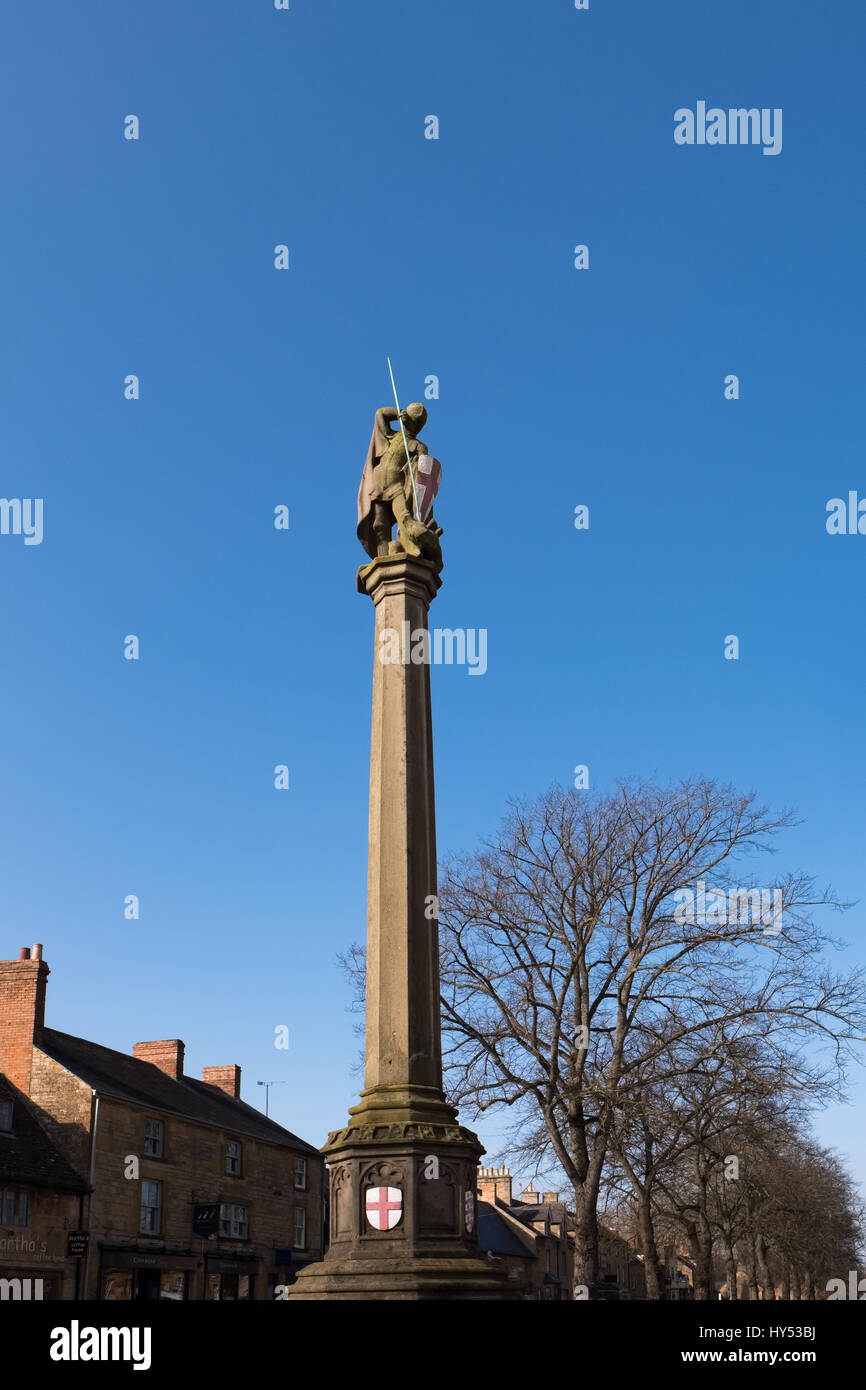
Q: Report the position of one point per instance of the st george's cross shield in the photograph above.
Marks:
(428, 473)
(469, 1210)
(384, 1207)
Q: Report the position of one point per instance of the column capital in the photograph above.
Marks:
(399, 574)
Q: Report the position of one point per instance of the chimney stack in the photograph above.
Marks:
(22, 1014)
(166, 1054)
(530, 1198)
(226, 1079)
(493, 1183)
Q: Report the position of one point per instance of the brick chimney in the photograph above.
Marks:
(530, 1198)
(226, 1079)
(550, 1197)
(166, 1054)
(22, 1013)
(493, 1183)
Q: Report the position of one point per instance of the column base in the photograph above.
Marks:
(404, 1221)
(416, 1278)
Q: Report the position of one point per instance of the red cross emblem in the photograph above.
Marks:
(428, 472)
(384, 1207)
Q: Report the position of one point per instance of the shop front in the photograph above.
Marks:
(35, 1283)
(231, 1278)
(30, 1271)
(146, 1275)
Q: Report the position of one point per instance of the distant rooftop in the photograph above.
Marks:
(27, 1154)
(116, 1075)
(499, 1232)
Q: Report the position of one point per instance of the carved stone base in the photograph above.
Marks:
(417, 1149)
(408, 1279)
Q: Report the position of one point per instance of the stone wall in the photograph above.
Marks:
(192, 1171)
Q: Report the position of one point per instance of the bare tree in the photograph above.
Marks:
(802, 1212)
(571, 965)
(691, 1104)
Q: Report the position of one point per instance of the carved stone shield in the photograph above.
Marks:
(469, 1210)
(428, 474)
(384, 1207)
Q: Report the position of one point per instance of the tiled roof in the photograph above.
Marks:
(115, 1074)
(557, 1212)
(27, 1155)
(496, 1232)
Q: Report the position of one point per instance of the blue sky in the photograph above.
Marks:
(258, 387)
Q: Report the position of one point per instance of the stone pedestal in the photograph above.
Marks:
(402, 1135)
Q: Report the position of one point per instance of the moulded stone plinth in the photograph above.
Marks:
(432, 1252)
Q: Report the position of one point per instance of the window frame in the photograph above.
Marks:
(234, 1172)
(233, 1220)
(149, 1138)
(299, 1212)
(20, 1206)
(156, 1229)
(300, 1186)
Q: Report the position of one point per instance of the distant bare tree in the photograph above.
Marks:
(802, 1213)
(694, 1101)
(571, 970)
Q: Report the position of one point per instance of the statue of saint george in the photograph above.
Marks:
(399, 487)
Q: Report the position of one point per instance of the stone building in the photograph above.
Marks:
(531, 1236)
(194, 1194)
(42, 1200)
(620, 1267)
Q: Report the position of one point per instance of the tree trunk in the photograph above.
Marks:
(793, 1282)
(730, 1270)
(585, 1237)
(652, 1268)
(705, 1245)
(766, 1283)
(748, 1251)
(701, 1246)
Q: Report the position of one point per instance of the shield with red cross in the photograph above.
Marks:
(428, 472)
(469, 1210)
(384, 1207)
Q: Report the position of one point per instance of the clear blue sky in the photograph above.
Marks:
(258, 387)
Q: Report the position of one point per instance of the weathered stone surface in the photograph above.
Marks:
(391, 491)
(403, 1134)
(403, 1048)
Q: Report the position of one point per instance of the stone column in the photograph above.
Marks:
(403, 1053)
(403, 1136)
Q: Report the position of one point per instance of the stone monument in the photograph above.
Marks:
(403, 1170)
